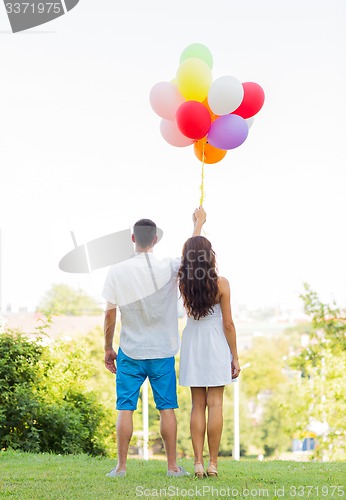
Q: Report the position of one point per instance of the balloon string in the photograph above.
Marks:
(202, 179)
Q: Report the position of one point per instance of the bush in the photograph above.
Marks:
(45, 401)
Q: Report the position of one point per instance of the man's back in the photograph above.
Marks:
(145, 290)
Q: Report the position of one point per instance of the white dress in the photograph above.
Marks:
(205, 357)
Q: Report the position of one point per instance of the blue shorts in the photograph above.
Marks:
(131, 373)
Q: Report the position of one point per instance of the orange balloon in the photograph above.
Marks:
(212, 115)
(211, 154)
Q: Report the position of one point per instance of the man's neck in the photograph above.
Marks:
(142, 250)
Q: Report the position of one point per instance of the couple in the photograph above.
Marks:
(145, 290)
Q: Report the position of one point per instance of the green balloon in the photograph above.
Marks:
(199, 51)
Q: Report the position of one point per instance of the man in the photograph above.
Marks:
(145, 290)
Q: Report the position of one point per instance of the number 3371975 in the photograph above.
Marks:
(33, 8)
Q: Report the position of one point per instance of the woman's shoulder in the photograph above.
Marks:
(223, 282)
(223, 286)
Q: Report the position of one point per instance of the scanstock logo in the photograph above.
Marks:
(26, 15)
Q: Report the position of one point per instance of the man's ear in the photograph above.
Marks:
(155, 240)
(133, 238)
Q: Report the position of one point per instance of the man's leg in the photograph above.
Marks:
(163, 382)
(130, 377)
(124, 434)
(168, 429)
(162, 378)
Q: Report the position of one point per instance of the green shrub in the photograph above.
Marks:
(45, 400)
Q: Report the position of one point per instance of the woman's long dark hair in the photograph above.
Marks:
(198, 278)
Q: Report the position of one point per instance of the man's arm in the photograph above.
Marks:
(109, 327)
(199, 217)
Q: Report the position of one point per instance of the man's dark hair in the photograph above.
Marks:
(144, 231)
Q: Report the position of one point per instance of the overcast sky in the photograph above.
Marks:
(81, 148)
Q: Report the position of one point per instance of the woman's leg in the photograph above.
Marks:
(215, 421)
(198, 421)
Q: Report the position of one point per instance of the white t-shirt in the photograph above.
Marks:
(145, 290)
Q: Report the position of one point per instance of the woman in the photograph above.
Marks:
(208, 355)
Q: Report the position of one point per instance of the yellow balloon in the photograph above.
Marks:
(194, 79)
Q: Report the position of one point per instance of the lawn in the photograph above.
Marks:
(45, 476)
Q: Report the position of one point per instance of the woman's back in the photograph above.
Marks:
(211, 316)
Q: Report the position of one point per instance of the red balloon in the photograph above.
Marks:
(193, 119)
(252, 101)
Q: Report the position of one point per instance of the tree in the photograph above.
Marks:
(266, 357)
(275, 431)
(319, 395)
(263, 384)
(328, 321)
(63, 299)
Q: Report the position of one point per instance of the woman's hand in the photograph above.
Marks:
(235, 368)
(200, 215)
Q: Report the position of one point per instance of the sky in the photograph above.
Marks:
(81, 148)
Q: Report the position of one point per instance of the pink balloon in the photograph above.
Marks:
(165, 99)
(171, 134)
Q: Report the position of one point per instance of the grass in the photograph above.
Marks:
(45, 476)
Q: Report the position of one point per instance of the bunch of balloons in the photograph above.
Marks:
(214, 116)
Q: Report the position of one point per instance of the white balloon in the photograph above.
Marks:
(225, 95)
(250, 121)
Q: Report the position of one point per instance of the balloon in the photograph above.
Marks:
(250, 121)
(252, 102)
(225, 95)
(213, 116)
(211, 154)
(193, 119)
(199, 51)
(228, 132)
(194, 79)
(171, 134)
(165, 99)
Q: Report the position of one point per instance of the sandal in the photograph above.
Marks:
(212, 470)
(199, 471)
